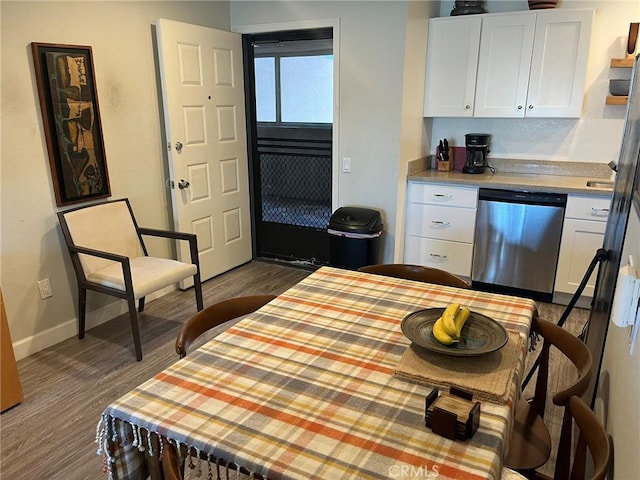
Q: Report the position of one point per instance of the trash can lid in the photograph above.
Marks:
(355, 220)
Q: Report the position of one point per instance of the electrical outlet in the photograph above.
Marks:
(45, 288)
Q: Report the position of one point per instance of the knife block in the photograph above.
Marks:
(445, 165)
(452, 415)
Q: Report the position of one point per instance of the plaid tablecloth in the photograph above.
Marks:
(304, 389)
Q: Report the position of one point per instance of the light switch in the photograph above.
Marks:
(346, 165)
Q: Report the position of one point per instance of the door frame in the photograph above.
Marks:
(334, 23)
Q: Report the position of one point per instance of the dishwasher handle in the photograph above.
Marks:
(527, 198)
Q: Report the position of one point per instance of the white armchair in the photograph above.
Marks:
(109, 256)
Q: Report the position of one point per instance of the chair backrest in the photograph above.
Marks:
(216, 315)
(592, 437)
(578, 353)
(572, 348)
(416, 272)
(107, 226)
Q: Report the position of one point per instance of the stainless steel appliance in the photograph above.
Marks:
(477, 146)
(517, 241)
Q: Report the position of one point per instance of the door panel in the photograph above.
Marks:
(203, 97)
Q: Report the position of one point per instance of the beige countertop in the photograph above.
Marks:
(553, 177)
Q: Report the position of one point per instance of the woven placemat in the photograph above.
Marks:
(488, 377)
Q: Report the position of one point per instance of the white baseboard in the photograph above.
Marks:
(47, 338)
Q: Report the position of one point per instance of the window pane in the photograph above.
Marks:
(307, 89)
(265, 89)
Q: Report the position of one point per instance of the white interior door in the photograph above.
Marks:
(203, 97)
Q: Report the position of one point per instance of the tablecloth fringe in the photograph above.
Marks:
(109, 435)
(228, 469)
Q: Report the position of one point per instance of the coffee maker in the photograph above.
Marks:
(477, 146)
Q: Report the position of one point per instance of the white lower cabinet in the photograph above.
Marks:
(454, 257)
(582, 235)
(440, 226)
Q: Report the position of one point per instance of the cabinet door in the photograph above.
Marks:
(559, 63)
(452, 60)
(503, 65)
(580, 240)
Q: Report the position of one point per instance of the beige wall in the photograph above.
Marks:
(382, 52)
(121, 36)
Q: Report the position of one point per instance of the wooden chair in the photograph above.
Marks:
(416, 272)
(530, 443)
(215, 315)
(170, 463)
(593, 437)
(109, 256)
(210, 317)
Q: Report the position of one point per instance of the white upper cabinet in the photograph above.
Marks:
(559, 63)
(529, 64)
(504, 64)
(452, 61)
(533, 64)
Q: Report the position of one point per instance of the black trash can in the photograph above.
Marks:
(354, 237)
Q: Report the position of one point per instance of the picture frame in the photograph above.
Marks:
(65, 78)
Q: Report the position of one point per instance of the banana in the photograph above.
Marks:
(448, 319)
(441, 335)
(461, 318)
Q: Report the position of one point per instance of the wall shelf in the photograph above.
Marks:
(617, 99)
(622, 62)
(619, 63)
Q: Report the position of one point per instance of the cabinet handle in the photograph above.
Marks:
(467, 107)
(442, 196)
(440, 222)
(599, 212)
(530, 107)
(438, 255)
(519, 107)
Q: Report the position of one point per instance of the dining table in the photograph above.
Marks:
(310, 386)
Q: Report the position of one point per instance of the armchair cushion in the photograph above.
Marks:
(151, 274)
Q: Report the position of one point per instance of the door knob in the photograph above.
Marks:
(182, 184)
(179, 147)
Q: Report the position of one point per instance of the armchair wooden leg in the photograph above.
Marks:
(133, 317)
(197, 286)
(82, 311)
(141, 304)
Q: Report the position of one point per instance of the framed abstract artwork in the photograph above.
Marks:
(71, 119)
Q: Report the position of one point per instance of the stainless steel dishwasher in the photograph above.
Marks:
(517, 241)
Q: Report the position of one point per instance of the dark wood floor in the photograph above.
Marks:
(51, 434)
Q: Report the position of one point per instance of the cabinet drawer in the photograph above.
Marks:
(437, 194)
(587, 207)
(453, 257)
(443, 223)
